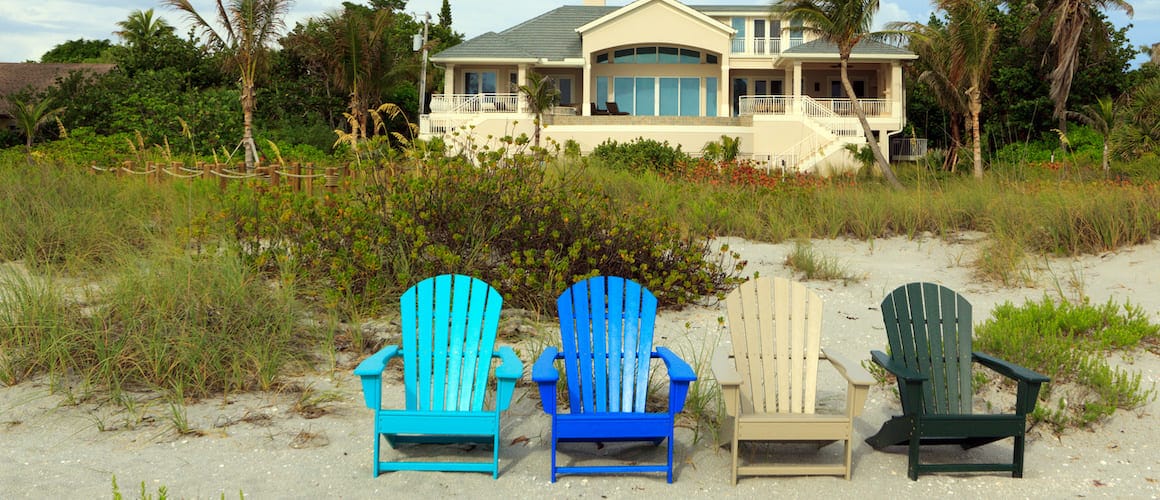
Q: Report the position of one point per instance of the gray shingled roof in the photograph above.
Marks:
(553, 36)
(863, 48)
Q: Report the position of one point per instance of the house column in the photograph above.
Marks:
(585, 109)
(797, 86)
(896, 90)
(521, 80)
(724, 89)
(448, 80)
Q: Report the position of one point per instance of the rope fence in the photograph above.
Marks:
(308, 177)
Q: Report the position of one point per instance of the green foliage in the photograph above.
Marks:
(724, 150)
(529, 233)
(1070, 343)
(189, 326)
(815, 266)
(641, 155)
(53, 218)
(1137, 134)
(80, 51)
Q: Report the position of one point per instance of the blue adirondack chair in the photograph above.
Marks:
(449, 326)
(606, 325)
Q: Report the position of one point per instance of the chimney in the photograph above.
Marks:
(594, 3)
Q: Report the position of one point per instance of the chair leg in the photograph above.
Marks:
(495, 456)
(736, 445)
(670, 444)
(849, 455)
(913, 457)
(378, 441)
(1017, 459)
(553, 458)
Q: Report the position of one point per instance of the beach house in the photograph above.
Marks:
(676, 72)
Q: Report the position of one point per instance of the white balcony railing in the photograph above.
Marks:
(476, 103)
(759, 46)
(780, 105)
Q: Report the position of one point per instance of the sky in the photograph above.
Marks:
(28, 29)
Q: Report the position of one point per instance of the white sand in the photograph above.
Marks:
(50, 448)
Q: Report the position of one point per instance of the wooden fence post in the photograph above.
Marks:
(331, 179)
(297, 182)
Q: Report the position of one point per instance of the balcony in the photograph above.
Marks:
(784, 104)
(763, 46)
(471, 104)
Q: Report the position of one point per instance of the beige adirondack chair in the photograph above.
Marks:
(769, 373)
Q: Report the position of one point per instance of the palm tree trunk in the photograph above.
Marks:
(975, 108)
(854, 103)
(248, 126)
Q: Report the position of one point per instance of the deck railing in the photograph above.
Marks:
(476, 103)
(780, 105)
(757, 46)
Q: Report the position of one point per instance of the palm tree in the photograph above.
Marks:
(962, 52)
(932, 43)
(1069, 19)
(542, 95)
(30, 116)
(247, 27)
(141, 29)
(1101, 117)
(843, 23)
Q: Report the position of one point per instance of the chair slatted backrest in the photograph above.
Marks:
(775, 326)
(928, 328)
(606, 327)
(449, 327)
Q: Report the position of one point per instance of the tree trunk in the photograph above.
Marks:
(248, 126)
(975, 107)
(854, 103)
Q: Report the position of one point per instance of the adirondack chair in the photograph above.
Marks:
(606, 325)
(768, 376)
(449, 326)
(928, 328)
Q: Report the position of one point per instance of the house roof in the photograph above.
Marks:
(552, 36)
(15, 77)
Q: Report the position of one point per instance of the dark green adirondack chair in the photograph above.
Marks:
(928, 327)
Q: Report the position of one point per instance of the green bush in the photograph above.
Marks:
(640, 155)
(1069, 343)
(189, 326)
(529, 234)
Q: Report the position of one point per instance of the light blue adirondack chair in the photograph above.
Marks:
(606, 324)
(449, 327)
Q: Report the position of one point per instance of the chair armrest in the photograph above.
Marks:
(679, 370)
(1009, 370)
(371, 373)
(506, 374)
(903, 373)
(1027, 392)
(852, 372)
(858, 381)
(724, 368)
(545, 375)
(680, 375)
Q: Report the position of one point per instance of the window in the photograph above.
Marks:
(602, 58)
(624, 56)
(656, 55)
(479, 82)
(564, 85)
(690, 96)
(710, 96)
(739, 36)
(624, 92)
(601, 92)
(711, 58)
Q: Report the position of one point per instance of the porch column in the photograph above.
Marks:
(585, 109)
(896, 90)
(797, 86)
(449, 80)
(724, 91)
(521, 80)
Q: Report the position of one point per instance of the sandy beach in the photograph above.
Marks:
(257, 444)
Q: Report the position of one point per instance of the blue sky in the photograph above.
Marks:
(30, 28)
